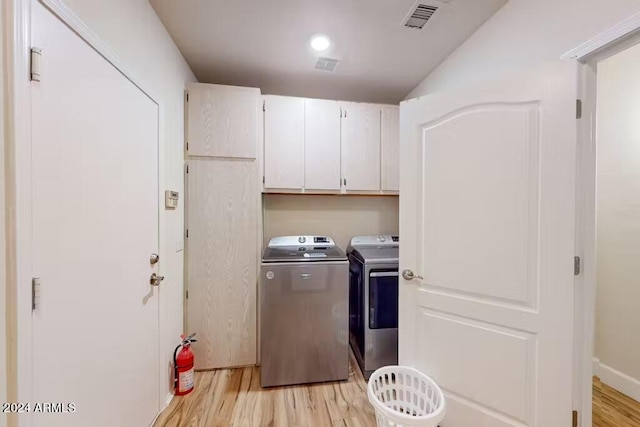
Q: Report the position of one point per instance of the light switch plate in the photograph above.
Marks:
(171, 199)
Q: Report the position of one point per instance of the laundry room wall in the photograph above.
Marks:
(618, 247)
(522, 35)
(3, 270)
(340, 217)
(134, 32)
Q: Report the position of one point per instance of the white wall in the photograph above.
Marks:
(340, 217)
(618, 247)
(521, 35)
(3, 270)
(134, 32)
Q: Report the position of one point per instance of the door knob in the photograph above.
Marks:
(155, 280)
(154, 259)
(408, 275)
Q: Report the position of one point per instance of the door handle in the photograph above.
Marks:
(154, 258)
(409, 275)
(155, 280)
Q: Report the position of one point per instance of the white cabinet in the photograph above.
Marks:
(390, 148)
(223, 120)
(222, 262)
(361, 146)
(322, 145)
(223, 220)
(284, 142)
(317, 145)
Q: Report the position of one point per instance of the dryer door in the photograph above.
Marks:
(383, 299)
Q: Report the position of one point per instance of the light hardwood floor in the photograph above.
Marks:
(612, 408)
(233, 397)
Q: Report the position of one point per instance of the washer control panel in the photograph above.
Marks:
(301, 241)
(380, 240)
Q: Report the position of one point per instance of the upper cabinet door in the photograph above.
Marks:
(390, 148)
(283, 142)
(361, 146)
(322, 145)
(222, 121)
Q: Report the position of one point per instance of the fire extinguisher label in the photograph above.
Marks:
(186, 381)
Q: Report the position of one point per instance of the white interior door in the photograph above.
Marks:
(487, 218)
(95, 225)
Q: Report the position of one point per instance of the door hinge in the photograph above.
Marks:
(263, 180)
(341, 113)
(577, 264)
(187, 146)
(186, 168)
(264, 105)
(578, 108)
(345, 182)
(36, 56)
(187, 294)
(186, 233)
(574, 419)
(187, 96)
(35, 293)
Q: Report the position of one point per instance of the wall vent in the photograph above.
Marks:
(326, 64)
(420, 15)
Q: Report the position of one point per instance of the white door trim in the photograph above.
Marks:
(19, 172)
(610, 36)
(608, 43)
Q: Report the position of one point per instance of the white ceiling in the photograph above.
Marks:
(265, 43)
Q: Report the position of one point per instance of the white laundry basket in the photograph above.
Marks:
(403, 397)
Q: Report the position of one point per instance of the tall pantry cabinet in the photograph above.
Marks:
(223, 186)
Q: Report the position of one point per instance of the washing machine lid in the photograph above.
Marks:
(303, 249)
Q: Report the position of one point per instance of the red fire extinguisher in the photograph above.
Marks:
(183, 366)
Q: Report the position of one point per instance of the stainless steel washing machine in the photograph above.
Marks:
(304, 297)
(373, 301)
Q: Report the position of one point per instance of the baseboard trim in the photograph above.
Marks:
(168, 399)
(167, 402)
(617, 380)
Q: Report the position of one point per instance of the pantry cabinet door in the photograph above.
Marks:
(223, 121)
(390, 148)
(322, 145)
(283, 142)
(361, 146)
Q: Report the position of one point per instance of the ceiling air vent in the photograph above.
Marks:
(420, 16)
(326, 64)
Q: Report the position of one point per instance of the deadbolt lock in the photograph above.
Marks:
(154, 259)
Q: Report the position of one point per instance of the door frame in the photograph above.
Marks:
(615, 39)
(19, 183)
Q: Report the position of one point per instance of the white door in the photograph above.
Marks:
(487, 218)
(390, 141)
(361, 146)
(95, 226)
(321, 144)
(283, 142)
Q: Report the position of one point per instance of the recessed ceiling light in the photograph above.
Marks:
(320, 42)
